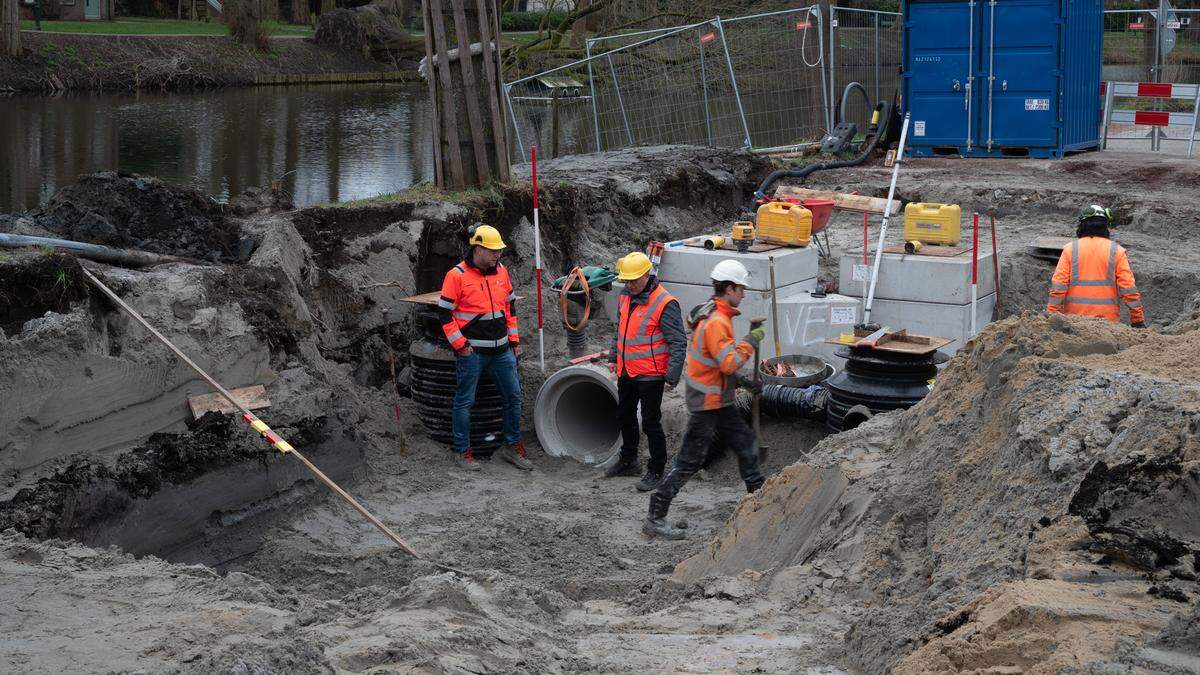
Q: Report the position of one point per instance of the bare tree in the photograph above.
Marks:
(300, 14)
(10, 28)
(245, 21)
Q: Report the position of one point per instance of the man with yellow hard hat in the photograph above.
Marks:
(479, 319)
(647, 357)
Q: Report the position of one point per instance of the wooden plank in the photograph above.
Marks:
(431, 298)
(847, 202)
(491, 65)
(449, 116)
(483, 167)
(253, 397)
(431, 77)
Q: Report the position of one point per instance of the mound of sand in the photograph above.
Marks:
(1036, 509)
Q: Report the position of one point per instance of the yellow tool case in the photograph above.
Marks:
(784, 223)
(933, 223)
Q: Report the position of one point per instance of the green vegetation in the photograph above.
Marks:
(139, 26)
(484, 197)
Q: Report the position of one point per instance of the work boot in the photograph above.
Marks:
(467, 461)
(515, 455)
(656, 524)
(623, 467)
(649, 481)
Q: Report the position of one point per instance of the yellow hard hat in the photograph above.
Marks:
(487, 237)
(633, 266)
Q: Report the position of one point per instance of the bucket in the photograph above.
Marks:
(810, 368)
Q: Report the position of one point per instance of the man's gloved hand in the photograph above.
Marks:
(1138, 324)
(750, 385)
(465, 351)
(756, 335)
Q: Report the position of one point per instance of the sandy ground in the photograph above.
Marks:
(850, 559)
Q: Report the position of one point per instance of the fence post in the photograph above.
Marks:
(830, 113)
(733, 80)
(704, 83)
(1195, 121)
(876, 58)
(513, 113)
(1108, 102)
(592, 87)
(826, 90)
(620, 99)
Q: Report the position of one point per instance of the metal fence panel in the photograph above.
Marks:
(864, 47)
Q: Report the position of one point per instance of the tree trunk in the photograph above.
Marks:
(300, 12)
(270, 10)
(10, 28)
(328, 6)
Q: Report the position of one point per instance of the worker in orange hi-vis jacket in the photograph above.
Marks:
(1093, 276)
(479, 319)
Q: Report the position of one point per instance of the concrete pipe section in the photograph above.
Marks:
(575, 414)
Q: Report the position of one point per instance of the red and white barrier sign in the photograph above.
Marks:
(1152, 118)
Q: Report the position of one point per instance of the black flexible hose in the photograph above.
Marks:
(883, 108)
(846, 95)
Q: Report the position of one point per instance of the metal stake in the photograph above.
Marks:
(733, 80)
(887, 214)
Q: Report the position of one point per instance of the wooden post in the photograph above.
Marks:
(10, 28)
(469, 124)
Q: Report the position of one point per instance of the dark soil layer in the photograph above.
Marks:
(59, 62)
(32, 284)
(131, 211)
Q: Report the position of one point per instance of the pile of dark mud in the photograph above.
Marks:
(1036, 510)
(126, 210)
(33, 283)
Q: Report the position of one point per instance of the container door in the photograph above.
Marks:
(940, 72)
(91, 9)
(1021, 73)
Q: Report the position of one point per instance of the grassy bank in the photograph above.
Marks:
(141, 26)
(53, 62)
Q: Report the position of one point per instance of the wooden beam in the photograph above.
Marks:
(431, 68)
(449, 116)
(470, 93)
(848, 202)
(491, 65)
(253, 397)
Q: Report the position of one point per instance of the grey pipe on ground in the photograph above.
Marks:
(105, 254)
(575, 414)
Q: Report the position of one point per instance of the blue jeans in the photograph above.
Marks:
(503, 369)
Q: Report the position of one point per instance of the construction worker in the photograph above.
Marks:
(479, 319)
(647, 357)
(1093, 275)
(713, 359)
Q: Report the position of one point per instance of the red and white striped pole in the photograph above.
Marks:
(974, 269)
(537, 261)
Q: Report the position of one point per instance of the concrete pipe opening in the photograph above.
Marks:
(575, 414)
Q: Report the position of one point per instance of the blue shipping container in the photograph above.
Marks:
(1010, 78)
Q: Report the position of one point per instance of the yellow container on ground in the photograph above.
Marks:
(784, 223)
(933, 223)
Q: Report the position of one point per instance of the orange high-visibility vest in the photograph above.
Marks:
(641, 346)
(713, 359)
(478, 309)
(1093, 277)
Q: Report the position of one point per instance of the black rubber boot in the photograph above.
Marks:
(649, 481)
(623, 467)
(656, 524)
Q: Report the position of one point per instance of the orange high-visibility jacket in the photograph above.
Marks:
(713, 359)
(641, 344)
(1092, 278)
(479, 309)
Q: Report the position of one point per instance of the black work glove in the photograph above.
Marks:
(1138, 324)
(750, 385)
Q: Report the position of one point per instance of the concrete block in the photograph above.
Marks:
(692, 265)
(928, 318)
(920, 278)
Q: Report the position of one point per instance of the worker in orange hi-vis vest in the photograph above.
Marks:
(714, 357)
(479, 319)
(1093, 276)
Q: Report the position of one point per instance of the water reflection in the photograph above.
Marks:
(323, 142)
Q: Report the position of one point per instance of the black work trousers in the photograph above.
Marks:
(649, 393)
(709, 429)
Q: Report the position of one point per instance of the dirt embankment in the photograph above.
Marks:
(1037, 510)
(62, 62)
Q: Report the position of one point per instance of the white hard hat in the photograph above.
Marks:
(731, 270)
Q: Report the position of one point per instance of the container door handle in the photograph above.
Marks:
(957, 85)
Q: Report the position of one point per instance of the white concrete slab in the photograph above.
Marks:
(920, 278)
(692, 265)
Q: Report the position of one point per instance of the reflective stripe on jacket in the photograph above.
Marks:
(478, 308)
(713, 359)
(641, 344)
(1093, 277)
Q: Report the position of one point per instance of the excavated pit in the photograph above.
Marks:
(1037, 472)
